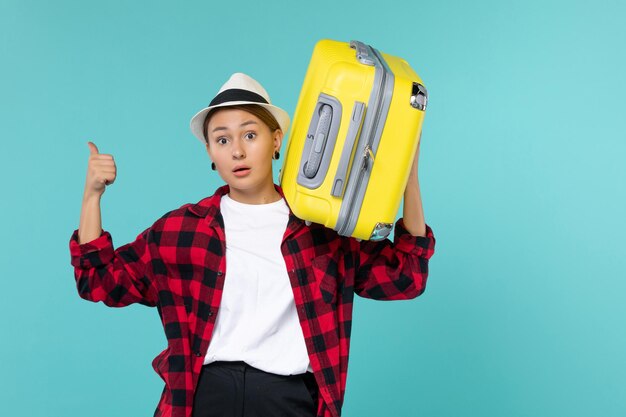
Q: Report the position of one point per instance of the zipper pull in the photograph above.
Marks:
(367, 155)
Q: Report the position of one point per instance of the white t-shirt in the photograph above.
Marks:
(257, 320)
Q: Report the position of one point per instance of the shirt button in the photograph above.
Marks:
(210, 313)
(197, 353)
(220, 273)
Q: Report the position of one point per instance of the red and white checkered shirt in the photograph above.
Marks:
(179, 265)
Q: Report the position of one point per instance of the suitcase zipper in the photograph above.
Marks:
(367, 153)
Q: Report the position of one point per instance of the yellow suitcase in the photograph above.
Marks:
(353, 137)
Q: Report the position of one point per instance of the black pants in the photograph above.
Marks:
(236, 389)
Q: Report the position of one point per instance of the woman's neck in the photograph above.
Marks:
(266, 196)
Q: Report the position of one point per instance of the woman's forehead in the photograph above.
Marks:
(232, 119)
(233, 116)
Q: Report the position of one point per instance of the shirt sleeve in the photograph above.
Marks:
(394, 270)
(117, 277)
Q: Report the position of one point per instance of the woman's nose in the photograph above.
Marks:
(238, 152)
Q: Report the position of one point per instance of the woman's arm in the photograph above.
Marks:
(90, 226)
(115, 277)
(413, 212)
(398, 270)
(101, 171)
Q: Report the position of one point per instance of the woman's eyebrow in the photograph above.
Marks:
(249, 122)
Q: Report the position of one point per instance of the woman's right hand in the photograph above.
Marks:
(101, 171)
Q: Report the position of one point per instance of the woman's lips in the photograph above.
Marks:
(242, 172)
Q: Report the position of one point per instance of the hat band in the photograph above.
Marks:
(236, 94)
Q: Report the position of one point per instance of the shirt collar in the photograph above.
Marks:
(209, 207)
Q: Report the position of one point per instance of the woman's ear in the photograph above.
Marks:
(278, 139)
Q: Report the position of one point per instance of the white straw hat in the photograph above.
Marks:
(239, 89)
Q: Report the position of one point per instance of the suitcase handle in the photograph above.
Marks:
(363, 53)
(320, 141)
(312, 165)
(339, 182)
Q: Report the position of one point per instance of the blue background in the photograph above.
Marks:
(522, 173)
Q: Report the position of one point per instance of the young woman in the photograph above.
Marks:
(256, 305)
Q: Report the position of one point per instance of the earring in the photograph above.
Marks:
(276, 155)
(213, 166)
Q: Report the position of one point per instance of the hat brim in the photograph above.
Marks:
(197, 122)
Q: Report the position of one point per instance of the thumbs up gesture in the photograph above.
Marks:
(101, 171)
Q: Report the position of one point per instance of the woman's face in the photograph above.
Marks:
(241, 146)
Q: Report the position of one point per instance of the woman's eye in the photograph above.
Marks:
(221, 141)
(250, 135)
